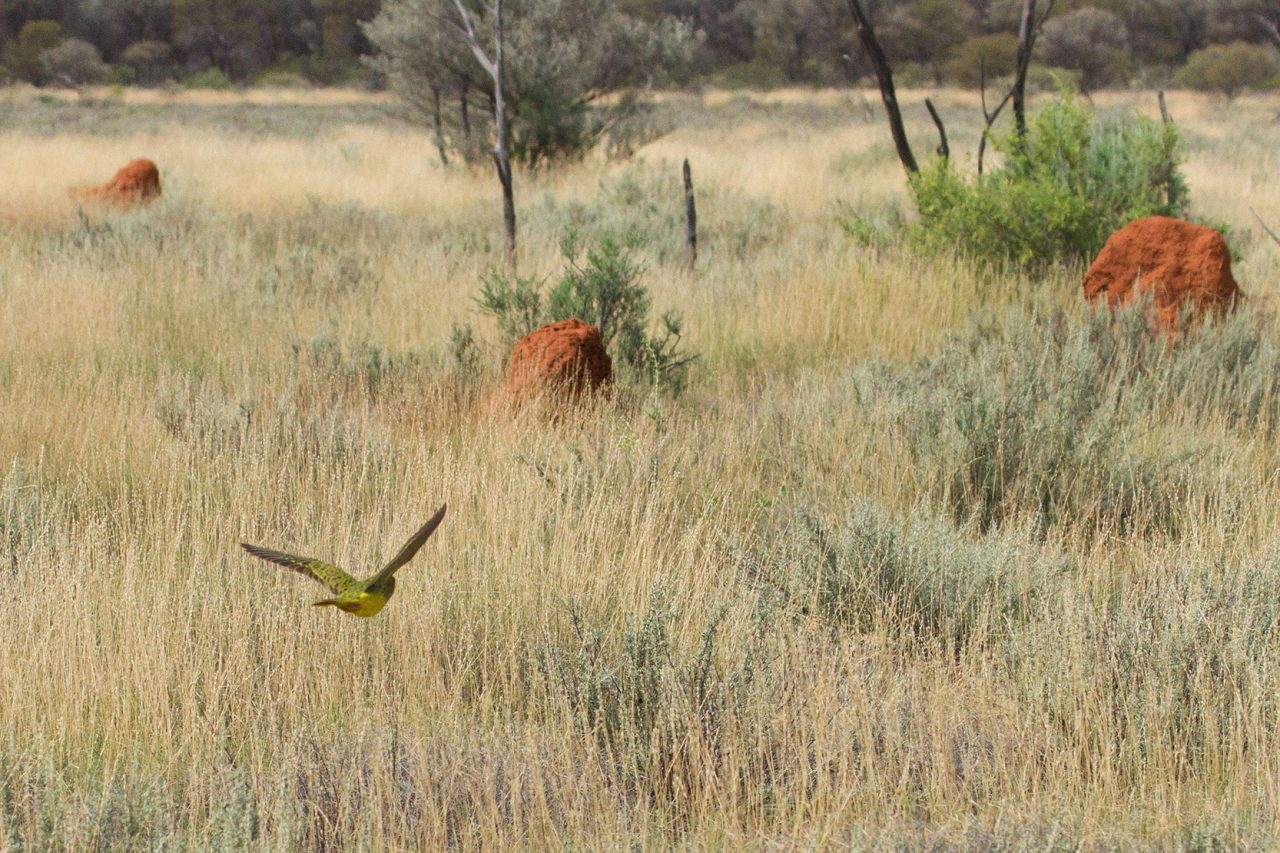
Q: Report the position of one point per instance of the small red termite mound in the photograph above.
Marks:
(136, 183)
(1184, 266)
(565, 358)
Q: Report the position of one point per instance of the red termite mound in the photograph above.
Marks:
(1184, 266)
(566, 358)
(136, 183)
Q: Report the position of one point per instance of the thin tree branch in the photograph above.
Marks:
(944, 150)
(1271, 27)
(1265, 227)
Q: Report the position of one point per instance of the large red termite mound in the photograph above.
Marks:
(1183, 266)
(137, 183)
(567, 359)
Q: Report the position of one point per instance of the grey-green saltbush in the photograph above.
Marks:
(1050, 418)
(924, 574)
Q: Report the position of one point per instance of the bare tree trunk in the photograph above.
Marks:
(494, 66)
(884, 74)
(439, 125)
(944, 150)
(1271, 28)
(1028, 32)
(502, 148)
(1164, 108)
(1026, 40)
(690, 217)
(464, 110)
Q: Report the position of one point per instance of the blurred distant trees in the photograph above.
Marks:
(74, 63)
(734, 42)
(1231, 68)
(1091, 41)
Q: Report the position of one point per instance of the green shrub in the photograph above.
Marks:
(998, 53)
(22, 55)
(1062, 190)
(1230, 68)
(74, 62)
(150, 61)
(604, 291)
(210, 78)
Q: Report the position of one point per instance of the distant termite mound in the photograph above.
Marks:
(566, 359)
(1183, 266)
(137, 183)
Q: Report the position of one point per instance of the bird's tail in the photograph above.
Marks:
(329, 602)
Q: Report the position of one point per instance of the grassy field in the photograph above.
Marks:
(924, 556)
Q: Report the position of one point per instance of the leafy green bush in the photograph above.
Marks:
(210, 78)
(605, 291)
(997, 54)
(1063, 189)
(22, 55)
(1230, 68)
(74, 62)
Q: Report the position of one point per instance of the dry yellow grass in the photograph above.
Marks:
(264, 356)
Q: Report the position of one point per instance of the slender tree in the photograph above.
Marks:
(494, 65)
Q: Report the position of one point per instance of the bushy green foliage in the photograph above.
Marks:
(22, 55)
(1230, 68)
(150, 60)
(995, 54)
(1091, 41)
(1062, 190)
(210, 78)
(75, 62)
(605, 291)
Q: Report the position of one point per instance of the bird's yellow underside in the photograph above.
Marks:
(364, 604)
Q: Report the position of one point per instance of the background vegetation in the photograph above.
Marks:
(740, 42)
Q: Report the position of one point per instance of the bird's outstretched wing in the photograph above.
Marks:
(411, 547)
(329, 575)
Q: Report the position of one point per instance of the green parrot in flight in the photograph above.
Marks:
(359, 597)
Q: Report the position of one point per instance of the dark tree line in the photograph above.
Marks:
(754, 42)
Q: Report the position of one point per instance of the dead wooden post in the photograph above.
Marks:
(1171, 167)
(884, 75)
(944, 150)
(439, 125)
(1028, 32)
(690, 217)
(1025, 38)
